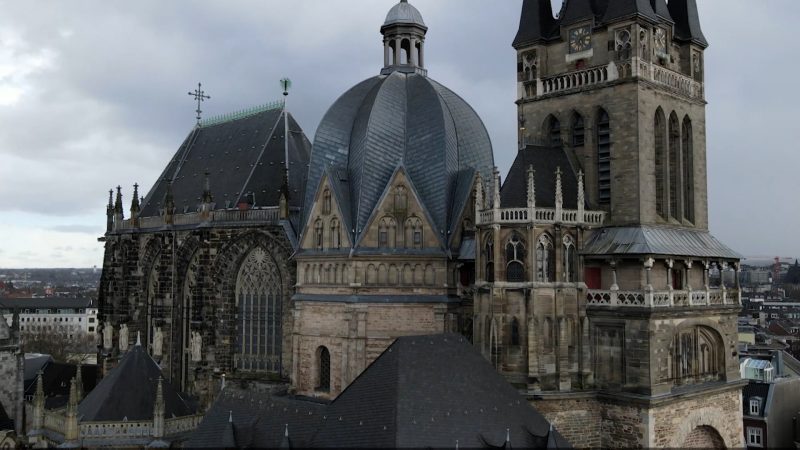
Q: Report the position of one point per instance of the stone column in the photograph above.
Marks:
(670, 263)
(386, 53)
(412, 56)
(614, 285)
(397, 51)
(422, 54)
(648, 268)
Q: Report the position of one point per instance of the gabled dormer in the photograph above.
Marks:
(327, 226)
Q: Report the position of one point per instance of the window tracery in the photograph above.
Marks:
(324, 369)
(570, 259)
(336, 237)
(318, 234)
(326, 202)
(488, 253)
(674, 166)
(545, 259)
(687, 159)
(578, 130)
(515, 255)
(659, 126)
(414, 233)
(603, 157)
(387, 233)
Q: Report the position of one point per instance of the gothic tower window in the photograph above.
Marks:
(578, 130)
(515, 340)
(318, 234)
(659, 130)
(258, 314)
(674, 166)
(515, 254)
(545, 260)
(603, 157)
(553, 131)
(570, 259)
(326, 202)
(413, 233)
(488, 252)
(336, 237)
(324, 369)
(697, 356)
(687, 146)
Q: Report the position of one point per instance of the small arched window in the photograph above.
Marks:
(336, 238)
(578, 130)
(488, 252)
(326, 202)
(515, 255)
(318, 234)
(324, 369)
(400, 198)
(515, 340)
(570, 259)
(545, 260)
(414, 233)
(603, 157)
(387, 233)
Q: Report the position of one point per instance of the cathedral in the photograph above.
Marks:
(583, 275)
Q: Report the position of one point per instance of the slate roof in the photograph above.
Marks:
(422, 392)
(536, 23)
(6, 423)
(654, 240)
(400, 120)
(545, 162)
(56, 382)
(244, 154)
(129, 391)
(404, 13)
(46, 303)
(34, 362)
(755, 389)
(687, 21)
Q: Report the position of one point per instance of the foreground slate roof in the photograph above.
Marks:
(56, 382)
(545, 162)
(654, 240)
(129, 392)
(243, 154)
(6, 423)
(424, 391)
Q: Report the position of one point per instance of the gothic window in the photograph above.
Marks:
(687, 159)
(515, 255)
(400, 198)
(488, 252)
(414, 233)
(545, 260)
(258, 314)
(603, 157)
(326, 202)
(324, 369)
(578, 130)
(622, 44)
(515, 340)
(570, 259)
(674, 166)
(318, 233)
(697, 356)
(372, 275)
(553, 131)
(336, 237)
(386, 233)
(659, 129)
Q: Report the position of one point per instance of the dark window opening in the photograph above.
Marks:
(603, 158)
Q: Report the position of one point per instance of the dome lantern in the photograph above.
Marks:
(404, 40)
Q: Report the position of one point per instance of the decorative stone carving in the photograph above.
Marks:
(196, 346)
(108, 336)
(123, 338)
(158, 342)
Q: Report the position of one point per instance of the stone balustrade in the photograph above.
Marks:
(542, 216)
(270, 216)
(577, 79)
(663, 299)
(669, 78)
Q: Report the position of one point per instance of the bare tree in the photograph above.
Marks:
(59, 345)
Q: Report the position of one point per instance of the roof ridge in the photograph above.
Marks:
(241, 114)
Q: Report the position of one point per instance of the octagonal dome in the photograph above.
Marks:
(404, 13)
(401, 120)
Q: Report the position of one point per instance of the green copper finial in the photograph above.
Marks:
(286, 84)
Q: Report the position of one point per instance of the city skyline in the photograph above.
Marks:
(92, 97)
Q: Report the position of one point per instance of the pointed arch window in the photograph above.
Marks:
(488, 252)
(687, 146)
(545, 260)
(603, 157)
(578, 130)
(674, 166)
(318, 234)
(570, 259)
(323, 369)
(326, 202)
(660, 135)
(553, 131)
(515, 255)
(387, 229)
(258, 314)
(414, 233)
(336, 237)
(400, 198)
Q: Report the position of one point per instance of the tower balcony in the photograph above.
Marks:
(541, 216)
(678, 298)
(222, 217)
(633, 68)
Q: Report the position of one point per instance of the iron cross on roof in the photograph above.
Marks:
(200, 96)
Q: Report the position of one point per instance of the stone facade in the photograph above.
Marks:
(11, 372)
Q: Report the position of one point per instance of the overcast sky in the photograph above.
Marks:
(93, 94)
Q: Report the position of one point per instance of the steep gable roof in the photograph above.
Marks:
(129, 391)
(545, 162)
(687, 21)
(536, 23)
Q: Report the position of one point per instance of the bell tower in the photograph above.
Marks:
(404, 40)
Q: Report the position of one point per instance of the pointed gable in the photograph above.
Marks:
(536, 23)
(687, 22)
(333, 185)
(129, 392)
(624, 9)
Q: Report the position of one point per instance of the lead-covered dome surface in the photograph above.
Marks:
(404, 13)
(403, 119)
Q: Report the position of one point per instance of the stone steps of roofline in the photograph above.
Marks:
(241, 114)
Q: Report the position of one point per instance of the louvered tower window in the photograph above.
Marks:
(554, 131)
(603, 158)
(660, 135)
(674, 166)
(258, 315)
(324, 366)
(687, 146)
(578, 131)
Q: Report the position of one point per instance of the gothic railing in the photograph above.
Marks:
(269, 216)
(541, 215)
(55, 421)
(116, 429)
(181, 424)
(663, 299)
(669, 78)
(577, 79)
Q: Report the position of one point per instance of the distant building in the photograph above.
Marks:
(69, 318)
(11, 383)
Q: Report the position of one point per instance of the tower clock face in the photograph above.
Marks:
(580, 39)
(660, 38)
